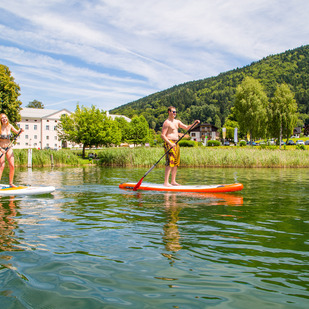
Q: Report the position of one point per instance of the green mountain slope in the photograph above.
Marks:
(211, 99)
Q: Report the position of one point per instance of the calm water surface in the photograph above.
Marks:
(92, 245)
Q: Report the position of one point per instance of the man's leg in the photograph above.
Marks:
(174, 173)
(167, 176)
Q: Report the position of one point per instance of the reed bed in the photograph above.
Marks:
(250, 157)
(41, 158)
(207, 157)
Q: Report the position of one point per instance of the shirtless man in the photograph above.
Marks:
(170, 137)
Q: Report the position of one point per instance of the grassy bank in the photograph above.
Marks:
(208, 157)
(190, 157)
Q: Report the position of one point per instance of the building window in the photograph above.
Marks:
(56, 138)
(35, 137)
(47, 127)
(27, 127)
(55, 128)
(18, 125)
(26, 136)
(47, 137)
(35, 127)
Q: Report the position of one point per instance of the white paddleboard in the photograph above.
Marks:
(24, 190)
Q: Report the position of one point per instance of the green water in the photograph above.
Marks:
(92, 245)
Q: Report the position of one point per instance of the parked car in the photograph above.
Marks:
(290, 142)
(307, 142)
(300, 142)
(226, 143)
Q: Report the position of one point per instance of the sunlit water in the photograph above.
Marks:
(92, 245)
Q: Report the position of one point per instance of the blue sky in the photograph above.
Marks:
(111, 52)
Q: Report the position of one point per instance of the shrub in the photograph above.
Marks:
(242, 143)
(186, 143)
(213, 143)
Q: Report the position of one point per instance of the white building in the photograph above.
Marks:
(40, 128)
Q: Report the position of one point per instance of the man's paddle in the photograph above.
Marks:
(10, 144)
(141, 180)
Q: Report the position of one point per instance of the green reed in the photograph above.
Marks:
(190, 157)
(42, 158)
(207, 157)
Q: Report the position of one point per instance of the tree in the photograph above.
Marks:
(139, 129)
(90, 127)
(35, 104)
(124, 127)
(251, 108)
(283, 113)
(9, 93)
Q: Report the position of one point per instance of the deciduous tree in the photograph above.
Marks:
(251, 108)
(9, 93)
(90, 127)
(282, 113)
(35, 104)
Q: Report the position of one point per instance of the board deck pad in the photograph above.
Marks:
(185, 188)
(24, 190)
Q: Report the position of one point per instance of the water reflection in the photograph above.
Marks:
(173, 203)
(8, 224)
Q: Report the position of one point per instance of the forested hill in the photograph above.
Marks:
(211, 99)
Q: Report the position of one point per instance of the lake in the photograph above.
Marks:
(92, 245)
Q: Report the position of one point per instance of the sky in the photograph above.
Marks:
(108, 53)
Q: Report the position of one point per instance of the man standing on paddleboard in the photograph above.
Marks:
(170, 138)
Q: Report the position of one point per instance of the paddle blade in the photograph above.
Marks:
(138, 184)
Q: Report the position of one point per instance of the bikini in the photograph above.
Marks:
(3, 136)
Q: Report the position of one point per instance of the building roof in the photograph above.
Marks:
(197, 128)
(27, 112)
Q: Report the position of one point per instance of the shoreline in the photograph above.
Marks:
(196, 157)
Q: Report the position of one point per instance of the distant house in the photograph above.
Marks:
(40, 128)
(204, 130)
(297, 131)
(115, 116)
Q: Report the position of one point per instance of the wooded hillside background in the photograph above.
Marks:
(211, 99)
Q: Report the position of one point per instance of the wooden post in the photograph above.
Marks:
(29, 157)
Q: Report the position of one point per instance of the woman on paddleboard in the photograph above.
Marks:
(5, 135)
(170, 137)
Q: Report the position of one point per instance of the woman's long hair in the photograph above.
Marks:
(1, 120)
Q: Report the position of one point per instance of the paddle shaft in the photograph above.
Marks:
(140, 182)
(10, 144)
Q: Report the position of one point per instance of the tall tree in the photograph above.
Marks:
(251, 108)
(283, 113)
(90, 127)
(35, 104)
(139, 129)
(9, 93)
(124, 127)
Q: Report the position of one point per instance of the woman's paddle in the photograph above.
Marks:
(10, 144)
(141, 180)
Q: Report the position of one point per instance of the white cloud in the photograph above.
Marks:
(119, 50)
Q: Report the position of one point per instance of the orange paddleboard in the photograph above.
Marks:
(185, 188)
